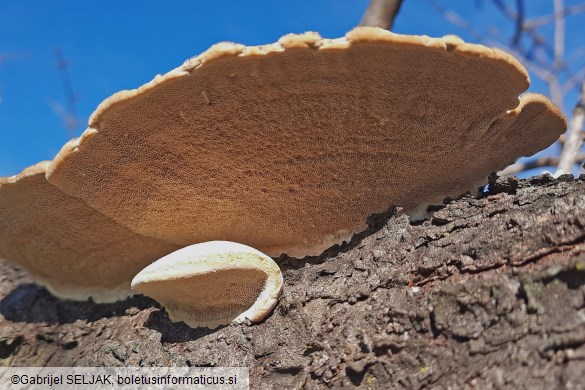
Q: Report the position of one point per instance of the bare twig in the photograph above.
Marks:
(559, 51)
(556, 52)
(546, 19)
(573, 139)
(543, 59)
(535, 36)
(519, 23)
(573, 82)
(540, 69)
(547, 161)
(539, 41)
(68, 119)
(456, 20)
(559, 33)
(69, 114)
(381, 13)
(561, 139)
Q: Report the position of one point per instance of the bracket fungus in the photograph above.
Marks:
(213, 283)
(72, 249)
(286, 147)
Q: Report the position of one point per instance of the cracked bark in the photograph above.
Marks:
(487, 292)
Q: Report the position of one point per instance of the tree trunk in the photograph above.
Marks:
(488, 292)
(381, 13)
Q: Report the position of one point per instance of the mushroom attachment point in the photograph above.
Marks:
(213, 283)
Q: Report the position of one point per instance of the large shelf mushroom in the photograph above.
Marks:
(288, 147)
(72, 249)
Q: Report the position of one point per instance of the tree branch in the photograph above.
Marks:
(541, 162)
(540, 69)
(543, 20)
(573, 82)
(559, 51)
(573, 138)
(537, 39)
(561, 139)
(519, 23)
(69, 114)
(549, 69)
(381, 13)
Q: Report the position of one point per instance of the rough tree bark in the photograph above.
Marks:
(487, 292)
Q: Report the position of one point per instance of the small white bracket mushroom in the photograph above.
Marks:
(213, 283)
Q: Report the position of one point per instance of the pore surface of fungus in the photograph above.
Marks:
(288, 147)
(72, 249)
(213, 283)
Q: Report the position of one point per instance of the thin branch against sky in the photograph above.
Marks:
(69, 112)
(544, 56)
(574, 139)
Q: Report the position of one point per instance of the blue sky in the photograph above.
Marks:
(113, 45)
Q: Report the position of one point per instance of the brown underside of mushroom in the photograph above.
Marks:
(288, 147)
(72, 249)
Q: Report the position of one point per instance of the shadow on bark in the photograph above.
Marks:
(33, 304)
